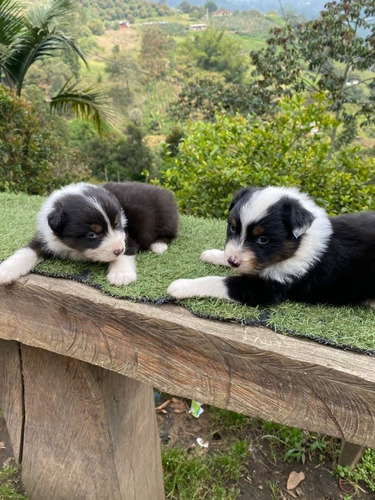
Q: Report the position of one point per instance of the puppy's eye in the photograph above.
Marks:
(92, 235)
(262, 240)
(232, 228)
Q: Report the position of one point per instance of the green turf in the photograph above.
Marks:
(342, 326)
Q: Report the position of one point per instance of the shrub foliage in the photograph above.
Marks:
(32, 158)
(291, 148)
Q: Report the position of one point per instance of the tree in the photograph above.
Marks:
(201, 97)
(210, 6)
(322, 54)
(119, 158)
(185, 7)
(173, 139)
(123, 68)
(96, 26)
(213, 51)
(134, 155)
(155, 48)
(30, 36)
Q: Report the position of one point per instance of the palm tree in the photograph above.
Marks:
(29, 36)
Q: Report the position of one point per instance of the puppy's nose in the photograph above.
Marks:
(118, 251)
(234, 261)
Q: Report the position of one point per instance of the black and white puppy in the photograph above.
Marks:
(287, 248)
(107, 223)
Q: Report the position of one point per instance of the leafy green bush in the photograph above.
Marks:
(364, 471)
(292, 148)
(32, 157)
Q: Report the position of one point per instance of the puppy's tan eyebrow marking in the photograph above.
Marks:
(97, 228)
(116, 220)
(257, 230)
(233, 222)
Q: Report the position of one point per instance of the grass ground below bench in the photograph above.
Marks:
(352, 327)
(242, 458)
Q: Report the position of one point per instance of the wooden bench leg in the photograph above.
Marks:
(88, 433)
(11, 394)
(350, 454)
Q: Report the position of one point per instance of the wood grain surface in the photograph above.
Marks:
(89, 433)
(250, 370)
(11, 394)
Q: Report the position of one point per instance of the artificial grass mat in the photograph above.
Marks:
(345, 327)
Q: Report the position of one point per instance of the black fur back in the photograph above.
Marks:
(346, 272)
(151, 212)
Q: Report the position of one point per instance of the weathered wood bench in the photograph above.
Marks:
(77, 371)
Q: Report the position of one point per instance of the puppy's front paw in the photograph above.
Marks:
(181, 289)
(8, 274)
(20, 263)
(158, 247)
(207, 286)
(214, 257)
(121, 278)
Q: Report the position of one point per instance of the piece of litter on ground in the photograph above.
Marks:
(196, 409)
(294, 479)
(202, 443)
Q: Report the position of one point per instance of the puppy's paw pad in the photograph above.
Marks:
(158, 247)
(118, 278)
(213, 257)
(180, 289)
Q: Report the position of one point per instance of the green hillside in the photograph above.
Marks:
(116, 10)
(165, 70)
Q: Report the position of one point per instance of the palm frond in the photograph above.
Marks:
(91, 104)
(37, 45)
(51, 15)
(27, 38)
(12, 20)
(34, 45)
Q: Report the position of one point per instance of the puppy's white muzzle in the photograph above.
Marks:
(238, 259)
(112, 246)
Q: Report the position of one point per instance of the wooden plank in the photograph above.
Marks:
(250, 370)
(11, 394)
(350, 454)
(89, 433)
(135, 442)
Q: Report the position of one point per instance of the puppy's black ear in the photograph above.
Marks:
(57, 219)
(298, 218)
(240, 194)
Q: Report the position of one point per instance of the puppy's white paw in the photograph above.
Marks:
(181, 289)
(122, 271)
(20, 263)
(121, 278)
(214, 257)
(208, 286)
(158, 247)
(8, 274)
